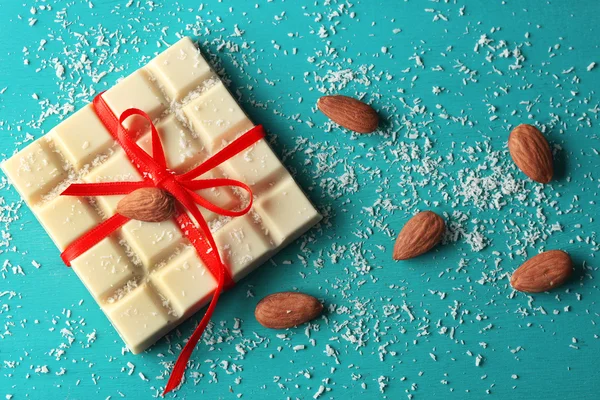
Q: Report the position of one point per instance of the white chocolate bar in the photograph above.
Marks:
(147, 277)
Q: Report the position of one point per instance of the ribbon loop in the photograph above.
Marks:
(153, 168)
(199, 184)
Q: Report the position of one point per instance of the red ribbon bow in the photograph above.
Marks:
(182, 187)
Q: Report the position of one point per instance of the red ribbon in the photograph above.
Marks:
(182, 187)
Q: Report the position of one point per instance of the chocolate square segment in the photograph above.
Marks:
(104, 268)
(152, 241)
(284, 208)
(257, 166)
(217, 117)
(136, 91)
(139, 317)
(82, 137)
(243, 245)
(65, 218)
(147, 277)
(185, 281)
(180, 69)
(35, 170)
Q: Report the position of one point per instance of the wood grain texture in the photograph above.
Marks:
(384, 321)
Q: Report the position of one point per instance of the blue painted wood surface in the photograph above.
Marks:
(415, 329)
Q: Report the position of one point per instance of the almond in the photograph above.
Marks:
(350, 113)
(420, 234)
(287, 309)
(529, 149)
(147, 204)
(542, 272)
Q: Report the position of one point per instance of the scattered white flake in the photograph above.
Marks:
(59, 68)
(478, 360)
(319, 392)
(465, 174)
(382, 382)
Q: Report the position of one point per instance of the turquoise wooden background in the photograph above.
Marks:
(446, 324)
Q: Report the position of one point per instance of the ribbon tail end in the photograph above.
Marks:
(65, 260)
(173, 383)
